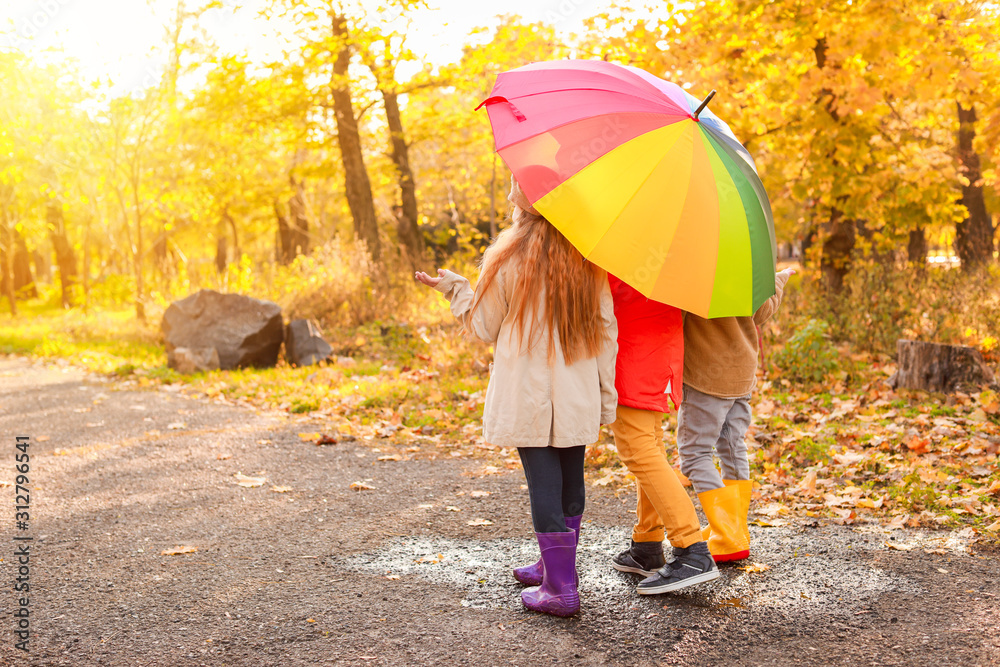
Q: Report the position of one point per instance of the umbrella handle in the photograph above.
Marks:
(700, 107)
(496, 100)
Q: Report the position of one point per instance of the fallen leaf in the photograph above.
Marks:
(281, 489)
(831, 500)
(604, 481)
(848, 458)
(994, 527)
(309, 437)
(772, 510)
(392, 577)
(361, 486)
(326, 440)
(809, 482)
(942, 570)
(176, 426)
(773, 523)
(483, 494)
(248, 482)
(479, 522)
(989, 401)
(452, 508)
(390, 457)
(224, 457)
(310, 620)
(41, 438)
(977, 416)
(177, 551)
(899, 547)
(432, 560)
(846, 515)
(755, 567)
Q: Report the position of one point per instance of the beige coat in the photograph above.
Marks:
(529, 402)
(720, 355)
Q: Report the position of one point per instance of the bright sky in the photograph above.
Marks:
(122, 39)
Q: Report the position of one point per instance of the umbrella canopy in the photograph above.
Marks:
(644, 180)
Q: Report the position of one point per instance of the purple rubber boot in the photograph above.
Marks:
(531, 575)
(558, 594)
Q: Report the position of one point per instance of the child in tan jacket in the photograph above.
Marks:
(720, 371)
(550, 316)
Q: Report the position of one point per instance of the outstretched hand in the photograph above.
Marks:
(429, 280)
(788, 273)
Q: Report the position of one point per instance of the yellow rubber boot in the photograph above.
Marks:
(746, 490)
(722, 507)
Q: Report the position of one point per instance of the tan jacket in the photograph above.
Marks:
(529, 402)
(720, 355)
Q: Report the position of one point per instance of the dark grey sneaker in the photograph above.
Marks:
(643, 558)
(690, 566)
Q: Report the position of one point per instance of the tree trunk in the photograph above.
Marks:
(161, 254)
(299, 220)
(357, 187)
(407, 227)
(237, 251)
(24, 282)
(838, 243)
(7, 259)
(221, 247)
(283, 248)
(939, 368)
(140, 288)
(916, 248)
(85, 269)
(65, 258)
(839, 234)
(974, 235)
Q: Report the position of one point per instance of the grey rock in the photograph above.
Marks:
(188, 360)
(304, 343)
(244, 331)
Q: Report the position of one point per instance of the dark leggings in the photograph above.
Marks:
(555, 485)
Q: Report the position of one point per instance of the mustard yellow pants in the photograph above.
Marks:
(663, 506)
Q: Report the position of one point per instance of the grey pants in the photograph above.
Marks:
(706, 423)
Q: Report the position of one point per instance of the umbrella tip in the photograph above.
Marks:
(704, 104)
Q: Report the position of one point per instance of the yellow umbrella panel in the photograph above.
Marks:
(672, 213)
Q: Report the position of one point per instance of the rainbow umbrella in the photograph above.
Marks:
(642, 178)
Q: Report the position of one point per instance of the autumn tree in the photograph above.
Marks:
(357, 186)
(382, 51)
(823, 104)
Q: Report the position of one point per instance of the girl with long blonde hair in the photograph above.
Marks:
(549, 315)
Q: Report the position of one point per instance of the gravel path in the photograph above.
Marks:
(321, 574)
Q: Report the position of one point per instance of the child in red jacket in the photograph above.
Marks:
(647, 372)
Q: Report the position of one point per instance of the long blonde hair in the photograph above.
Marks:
(547, 265)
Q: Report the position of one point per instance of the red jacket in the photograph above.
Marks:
(650, 360)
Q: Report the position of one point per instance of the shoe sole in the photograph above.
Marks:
(677, 585)
(633, 570)
(729, 558)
